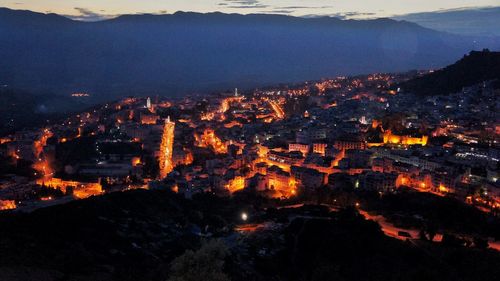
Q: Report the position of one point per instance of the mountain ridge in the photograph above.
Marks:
(13, 12)
(187, 52)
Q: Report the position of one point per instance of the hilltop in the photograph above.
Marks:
(472, 69)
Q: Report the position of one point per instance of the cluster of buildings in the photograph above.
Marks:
(355, 132)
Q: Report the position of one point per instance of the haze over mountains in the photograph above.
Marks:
(184, 53)
(468, 21)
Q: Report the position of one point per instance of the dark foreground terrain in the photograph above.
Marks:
(155, 235)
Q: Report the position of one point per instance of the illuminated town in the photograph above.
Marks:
(278, 142)
(297, 152)
(249, 140)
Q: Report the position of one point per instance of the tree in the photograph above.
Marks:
(206, 264)
(480, 243)
(431, 231)
(422, 235)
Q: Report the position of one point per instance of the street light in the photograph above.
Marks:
(244, 216)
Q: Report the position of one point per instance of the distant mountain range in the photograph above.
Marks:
(472, 69)
(183, 53)
(467, 21)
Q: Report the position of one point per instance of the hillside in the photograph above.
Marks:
(472, 69)
(23, 109)
(135, 235)
(190, 52)
(121, 236)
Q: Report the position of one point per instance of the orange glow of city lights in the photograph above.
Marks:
(7, 205)
(166, 148)
(136, 161)
(443, 188)
(81, 190)
(390, 138)
(209, 139)
(278, 111)
(236, 184)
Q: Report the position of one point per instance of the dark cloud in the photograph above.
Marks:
(278, 11)
(305, 7)
(343, 15)
(243, 4)
(269, 9)
(85, 14)
(357, 14)
(291, 9)
(248, 7)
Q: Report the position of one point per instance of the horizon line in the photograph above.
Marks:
(339, 16)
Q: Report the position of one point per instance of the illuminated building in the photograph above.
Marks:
(302, 147)
(284, 159)
(421, 182)
(261, 168)
(148, 118)
(337, 156)
(349, 144)
(390, 138)
(79, 190)
(238, 183)
(278, 180)
(5, 140)
(209, 139)
(181, 156)
(166, 148)
(136, 161)
(7, 205)
(320, 148)
(443, 180)
(402, 180)
(443, 189)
